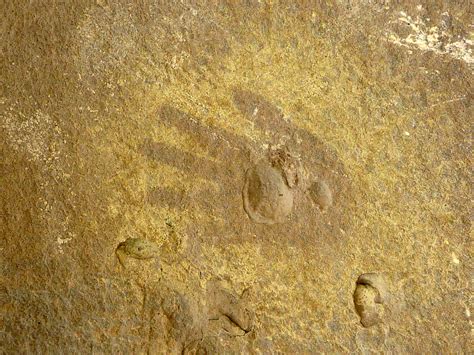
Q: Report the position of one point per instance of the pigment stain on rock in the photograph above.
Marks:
(118, 115)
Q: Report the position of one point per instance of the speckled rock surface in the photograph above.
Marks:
(127, 129)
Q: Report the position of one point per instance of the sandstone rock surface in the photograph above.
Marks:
(126, 131)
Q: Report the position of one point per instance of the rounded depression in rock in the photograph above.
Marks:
(267, 197)
(321, 194)
(369, 296)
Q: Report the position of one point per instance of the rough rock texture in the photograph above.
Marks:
(127, 129)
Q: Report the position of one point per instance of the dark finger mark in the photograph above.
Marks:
(217, 142)
(195, 166)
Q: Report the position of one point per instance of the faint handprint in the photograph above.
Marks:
(290, 186)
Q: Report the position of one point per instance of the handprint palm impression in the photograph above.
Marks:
(294, 187)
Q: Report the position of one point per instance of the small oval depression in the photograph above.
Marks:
(267, 198)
